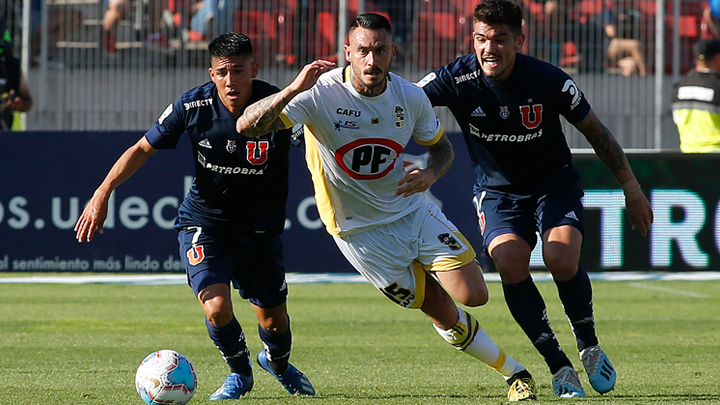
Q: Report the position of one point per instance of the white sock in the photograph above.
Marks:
(469, 337)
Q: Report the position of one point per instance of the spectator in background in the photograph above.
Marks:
(14, 90)
(62, 22)
(711, 15)
(214, 17)
(118, 10)
(696, 101)
(625, 49)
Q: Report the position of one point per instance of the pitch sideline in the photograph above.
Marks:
(340, 278)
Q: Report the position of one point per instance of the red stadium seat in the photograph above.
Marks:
(439, 38)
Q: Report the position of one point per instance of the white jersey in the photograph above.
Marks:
(354, 145)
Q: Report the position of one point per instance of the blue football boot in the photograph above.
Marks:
(295, 382)
(235, 386)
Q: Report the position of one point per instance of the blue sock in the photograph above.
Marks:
(230, 340)
(576, 297)
(528, 308)
(278, 348)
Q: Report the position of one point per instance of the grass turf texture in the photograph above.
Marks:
(81, 344)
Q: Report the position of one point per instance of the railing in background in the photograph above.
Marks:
(81, 84)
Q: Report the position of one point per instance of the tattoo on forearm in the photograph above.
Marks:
(259, 117)
(606, 147)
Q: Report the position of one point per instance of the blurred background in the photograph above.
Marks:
(115, 64)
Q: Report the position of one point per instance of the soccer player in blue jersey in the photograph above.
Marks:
(222, 241)
(508, 106)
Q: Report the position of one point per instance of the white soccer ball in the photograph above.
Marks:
(166, 377)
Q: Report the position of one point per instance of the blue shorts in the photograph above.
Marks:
(253, 264)
(501, 213)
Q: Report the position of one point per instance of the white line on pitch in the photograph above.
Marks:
(669, 290)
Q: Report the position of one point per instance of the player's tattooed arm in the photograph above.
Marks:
(417, 180)
(262, 116)
(606, 146)
(441, 157)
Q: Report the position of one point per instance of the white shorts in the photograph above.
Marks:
(394, 257)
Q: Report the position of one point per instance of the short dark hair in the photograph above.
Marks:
(705, 49)
(230, 44)
(371, 21)
(500, 12)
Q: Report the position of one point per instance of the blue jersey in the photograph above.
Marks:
(240, 183)
(512, 129)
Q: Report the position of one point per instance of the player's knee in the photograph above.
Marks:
(218, 314)
(474, 298)
(560, 265)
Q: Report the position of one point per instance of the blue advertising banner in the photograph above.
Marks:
(47, 177)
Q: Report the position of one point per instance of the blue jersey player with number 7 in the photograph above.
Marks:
(225, 237)
(508, 106)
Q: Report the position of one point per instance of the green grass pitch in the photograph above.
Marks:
(81, 344)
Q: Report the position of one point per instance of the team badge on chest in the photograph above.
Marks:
(504, 112)
(231, 145)
(399, 117)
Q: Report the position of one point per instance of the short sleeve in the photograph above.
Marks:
(439, 87)
(301, 109)
(168, 128)
(572, 103)
(427, 129)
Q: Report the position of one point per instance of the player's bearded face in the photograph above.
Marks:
(496, 48)
(370, 53)
(233, 76)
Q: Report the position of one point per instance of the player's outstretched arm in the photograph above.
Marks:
(262, 117)
(417, 180)
(611, 153)
(95, 212)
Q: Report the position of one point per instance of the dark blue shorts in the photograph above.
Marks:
(501, 213)
(253, 264)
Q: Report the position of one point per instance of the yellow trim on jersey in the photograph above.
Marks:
(419, 271)
(284, 118)
(435, 139)
(457, 261)
(322, 193)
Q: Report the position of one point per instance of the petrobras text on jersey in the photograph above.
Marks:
(504, 137)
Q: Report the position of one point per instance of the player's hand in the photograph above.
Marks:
(15, 102)
(640, 213)
(309, 74)
(92, 219)
(415, 181)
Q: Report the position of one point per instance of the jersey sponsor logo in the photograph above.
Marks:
(504, 111)
(466, 77)
(225, 169)
(427, 79)
(205, 143)
(696, 93)
(231, 145)
(346, 125)
(571, 88)
(347, 111)
(503, 137)
(449, 241)
(197, 103)
(195, 255)
(257, 151)
(399, 117)
(478, 112)
(528, 120)
(165, 114)
(368, 158)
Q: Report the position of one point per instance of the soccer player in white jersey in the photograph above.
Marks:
(358, 120)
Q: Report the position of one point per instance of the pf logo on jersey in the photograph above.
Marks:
(257, 151)
(531, 121)
(368, 158)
